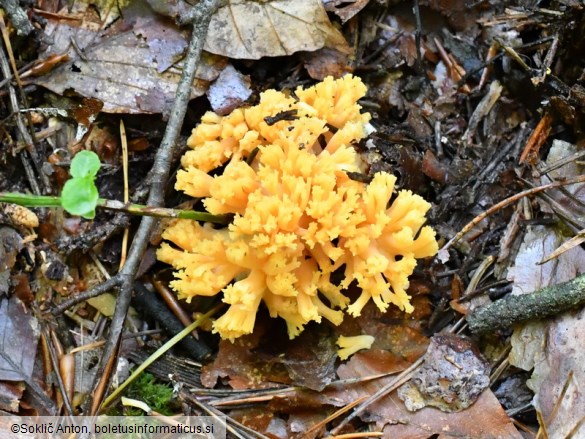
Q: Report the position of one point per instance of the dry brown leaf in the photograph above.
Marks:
(484, 419)
(129, 66)
(265, 357)
(345, 9)
(327, 62)
(252, 29)
(398, 337)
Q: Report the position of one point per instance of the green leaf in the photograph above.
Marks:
(80, 197)
(84, 164)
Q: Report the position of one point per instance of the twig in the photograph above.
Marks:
(511, 310)
(548, 60)
(46, 338)
(124, 142)
(147, 302)
(400, 379)
(159, 174)
(18, 17)
(417, 42)
(98, 290)
(475, 221)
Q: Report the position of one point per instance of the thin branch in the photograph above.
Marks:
(159, 175)
(479, 218)
(98, 290)
(511, 310)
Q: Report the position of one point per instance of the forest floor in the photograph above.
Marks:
(477, 108)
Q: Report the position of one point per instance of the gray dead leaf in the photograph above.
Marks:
(558, 152)
(529, 275)
(250, 29)
(451, 378)
(230, 90)
(19, 336)
(553, 348)
(130, 66)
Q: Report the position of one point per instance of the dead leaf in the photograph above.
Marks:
(10, 245)
(451, 378)
(229, 91)
(552, 348)
(345, 9)
(169, 8)
(265, 357)
(129, 66)
(328, 61)
(19, 336)
(240, 363)
(10, 395)
(250, 30)
(398, 337)
(484, 419)
(261, 421)
(529, 275)
(310, 358)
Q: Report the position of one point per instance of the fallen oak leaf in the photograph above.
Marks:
(250, 30)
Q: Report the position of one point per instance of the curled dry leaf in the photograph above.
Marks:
(345, 9)
(250, 30)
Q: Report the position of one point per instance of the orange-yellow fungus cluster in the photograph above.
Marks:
(298, 215)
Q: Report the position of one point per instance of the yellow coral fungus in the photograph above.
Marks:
(298, 215)
(350, 345)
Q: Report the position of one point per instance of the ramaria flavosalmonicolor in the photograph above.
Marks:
(298, 215)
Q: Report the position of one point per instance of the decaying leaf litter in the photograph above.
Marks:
(490, 107)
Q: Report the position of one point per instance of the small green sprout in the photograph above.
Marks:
(80, 195)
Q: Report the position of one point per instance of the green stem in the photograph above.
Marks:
(30, 200)
(135, 209)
